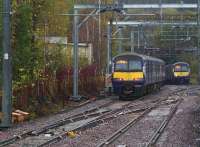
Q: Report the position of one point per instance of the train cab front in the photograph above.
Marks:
(181, 73)
(127, 76)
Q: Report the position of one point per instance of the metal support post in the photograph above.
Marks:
(132, 41)
(7, 69)
(109, 45)
(175, 44)
(75, 57)
(198, 48)
(75, 37)
(138, 37)
(108, 83)
(45, 45)
(161, 15)
(120, 35)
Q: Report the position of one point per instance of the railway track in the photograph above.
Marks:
(96, 118)
(125, 128)
(86, 114)
(92, 123)
(161, 128)
(109, 116)
(91, 113)
(122, 130)
(155, 136)
(89, 118)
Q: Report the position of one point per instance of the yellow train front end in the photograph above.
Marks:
(128, 76)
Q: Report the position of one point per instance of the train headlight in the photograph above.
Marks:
(118, 79)
(138, 79)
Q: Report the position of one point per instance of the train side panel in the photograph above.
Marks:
(154, 72)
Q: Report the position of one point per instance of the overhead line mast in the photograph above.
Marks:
(7, 67)
(198, 48)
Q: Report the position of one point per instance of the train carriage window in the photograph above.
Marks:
(135, 65)
(147, 66)
(151, 67)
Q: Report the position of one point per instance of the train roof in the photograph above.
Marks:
(180, 63)
(144, 57)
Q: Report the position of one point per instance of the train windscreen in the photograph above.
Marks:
(131, 65)
(135, 65)
(121, 65)
(181, 68)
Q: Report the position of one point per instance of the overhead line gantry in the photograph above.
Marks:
(122, 10)
(136, 6)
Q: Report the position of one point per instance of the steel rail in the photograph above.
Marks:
(163, 125)
(94, 123)
(124, 128)
(77, 117)
(69, 119)
(84, 115)
(14, 139)
(109, 116)
(113, 115)
(101, 119)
